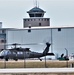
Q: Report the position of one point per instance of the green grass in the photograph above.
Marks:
(34, 64)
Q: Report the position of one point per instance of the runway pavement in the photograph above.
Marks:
(38, 70)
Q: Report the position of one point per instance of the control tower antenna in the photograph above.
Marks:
(36, 3)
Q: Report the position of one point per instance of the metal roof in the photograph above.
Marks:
(42, 27)
(36, 9)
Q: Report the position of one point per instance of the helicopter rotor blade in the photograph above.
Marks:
(33, 44)
(47, 40)
(16, 44)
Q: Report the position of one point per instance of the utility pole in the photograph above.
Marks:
(4, 56)
(45, 62)
(24, 53)
(66, 56)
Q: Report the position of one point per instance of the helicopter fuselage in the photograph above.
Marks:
(23, 53)
(7, 54)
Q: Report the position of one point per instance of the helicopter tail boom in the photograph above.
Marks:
(46, 49)
(51, 54)
(45, 52)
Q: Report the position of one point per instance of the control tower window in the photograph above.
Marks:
(34, 19)
(47, 19)
(38, 15)
(39, 24)
(24, 19)
(31, 15)
(28, 19)
(42, 19)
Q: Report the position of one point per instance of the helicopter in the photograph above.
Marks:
(23, 53)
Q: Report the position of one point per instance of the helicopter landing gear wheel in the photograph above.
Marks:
(6, 59)
(40, 59)
(16, 59)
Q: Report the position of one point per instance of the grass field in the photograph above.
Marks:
(35, 64)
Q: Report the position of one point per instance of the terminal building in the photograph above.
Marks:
(37, 29)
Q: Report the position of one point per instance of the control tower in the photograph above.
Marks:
(36, 19)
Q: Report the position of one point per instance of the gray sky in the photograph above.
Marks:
(60, 12)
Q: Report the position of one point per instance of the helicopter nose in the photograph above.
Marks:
(1, 57)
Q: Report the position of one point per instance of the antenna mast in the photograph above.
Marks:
(36, 3)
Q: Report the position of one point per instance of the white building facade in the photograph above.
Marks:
(60, 38)
(0, 24)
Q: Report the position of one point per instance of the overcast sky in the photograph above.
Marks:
(60, 12)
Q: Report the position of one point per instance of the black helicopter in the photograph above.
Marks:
(23, 53)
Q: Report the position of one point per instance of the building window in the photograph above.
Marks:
(59, 29)
(3, 31)
(47, 19)
(29, 30)
(42, 19)
(34, 19)
(38, 15)
(31, 15)
(3, 41)
(24, 19)
(39, 19)
(31, 19)
(28, 19)
(39, 24)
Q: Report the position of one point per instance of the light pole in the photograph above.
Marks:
(45, 62)
(66, 56)
(4, 60)
(24, 53)
(4, 55)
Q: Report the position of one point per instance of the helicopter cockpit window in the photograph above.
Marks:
(19, 52)
(5, 52)
(14, 53)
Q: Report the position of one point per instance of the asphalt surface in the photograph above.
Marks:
(38, 70)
